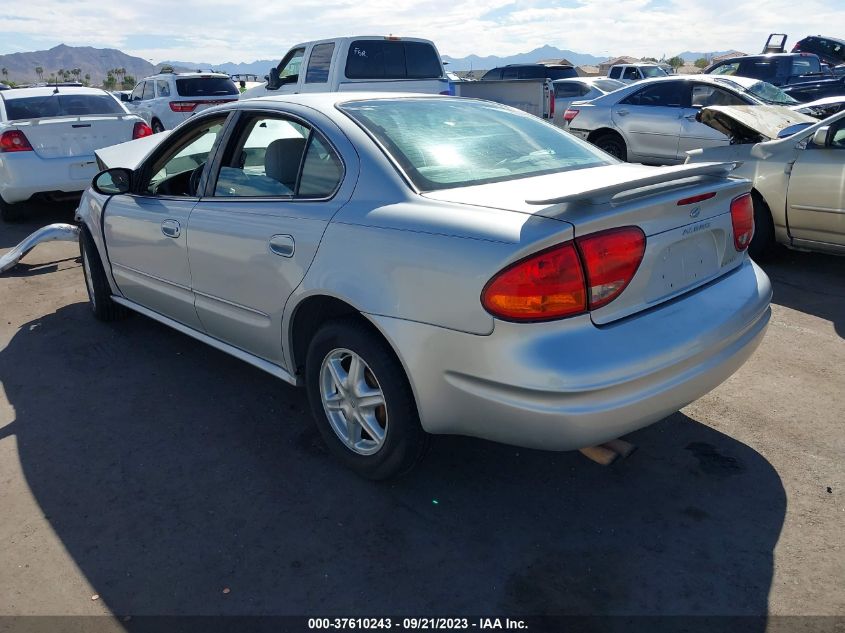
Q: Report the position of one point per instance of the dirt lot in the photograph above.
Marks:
(146, 468)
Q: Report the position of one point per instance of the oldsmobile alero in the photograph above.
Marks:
(427, 264)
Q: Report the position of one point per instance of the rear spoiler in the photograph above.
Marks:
(660, 175)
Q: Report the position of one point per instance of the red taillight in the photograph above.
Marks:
(742, 218)
(141, 130)
(14, 141)
(548, 285)
(698, 198)
(570, 114)
(183, 106)
(551, 105)
(611, 259)
(567, 279)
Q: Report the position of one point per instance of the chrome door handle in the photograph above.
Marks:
(282, 245)
(691, 117)
(171, 228)
(621, 112)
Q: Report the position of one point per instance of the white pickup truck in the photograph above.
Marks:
(357, 63)
(535, 96)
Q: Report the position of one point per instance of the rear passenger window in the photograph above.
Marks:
(278, 158)
(321, 170)
(615, 73)
(510, 73)
(386, 59)
(319, 63)
(568, 90)
(704, 95)
(665, 94)
(163, 88)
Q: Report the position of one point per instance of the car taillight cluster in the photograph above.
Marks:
(190, 106)
(742, 218)
(14, 141)
(568, 279)
(141, 130)
(570, 114)
(183, 106)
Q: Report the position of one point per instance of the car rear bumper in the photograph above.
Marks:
(569, 384)
(25, 174)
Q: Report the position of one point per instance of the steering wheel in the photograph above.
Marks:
(194, 179)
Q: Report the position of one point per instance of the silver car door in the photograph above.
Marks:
(252, 240)
(649, 119)
(695, 135)
(146, 231)
(816, 194)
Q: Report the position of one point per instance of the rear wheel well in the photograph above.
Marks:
(602, 131)
(310, 316)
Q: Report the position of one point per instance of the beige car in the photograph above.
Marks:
(799, 179)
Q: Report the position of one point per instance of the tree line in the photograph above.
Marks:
(116, 78)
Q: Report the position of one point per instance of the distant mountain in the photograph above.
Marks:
(474, 62)
(91, 61)
(259, 67)
(689, 56)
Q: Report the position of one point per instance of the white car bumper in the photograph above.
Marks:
(24, 174)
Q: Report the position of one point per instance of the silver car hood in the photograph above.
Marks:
(748, 122)
(131, 154)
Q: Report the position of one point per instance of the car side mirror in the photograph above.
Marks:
(290, 79)
(124, 97)
(820, 136)
(112, 182)
(273, 82)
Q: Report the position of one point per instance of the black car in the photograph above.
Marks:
(531, 71)
(829, 49)
(800, 75)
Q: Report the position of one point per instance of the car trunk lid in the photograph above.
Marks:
(684, 211)
(76, 136)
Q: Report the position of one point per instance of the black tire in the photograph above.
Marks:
(404, 441)
(613, 144)
(99, 291)
(763, 243)
(156, 126)
(11, 212)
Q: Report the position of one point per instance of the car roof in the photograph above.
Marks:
(46, 91)
(332, 99)
(823, 37)
(187, 75)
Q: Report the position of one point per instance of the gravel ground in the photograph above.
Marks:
(164, 477)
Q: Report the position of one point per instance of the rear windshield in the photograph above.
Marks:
(385, 59)
(60, 105)
(608, 85)
(205, 87)
(445, 143)
(770, 94)
(560, 73)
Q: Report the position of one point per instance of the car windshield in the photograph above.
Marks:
(653, 71)
(61, 105)
(445, 143)
(770, 94)
(206, 87)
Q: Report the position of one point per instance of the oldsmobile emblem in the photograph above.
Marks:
(695, 212)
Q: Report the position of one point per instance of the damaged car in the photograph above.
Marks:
(798, 172)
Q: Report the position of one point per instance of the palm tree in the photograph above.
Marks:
(87, 79)
(76, 72)
(4, 72)
(40, 72)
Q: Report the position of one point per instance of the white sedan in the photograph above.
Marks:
(48, 136)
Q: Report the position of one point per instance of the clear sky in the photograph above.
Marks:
(217, 31)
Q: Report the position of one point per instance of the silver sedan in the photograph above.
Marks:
(431, 265)
(654, 121)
